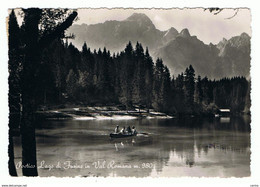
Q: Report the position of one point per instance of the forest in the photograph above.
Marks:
(66, 75)
(130, 78)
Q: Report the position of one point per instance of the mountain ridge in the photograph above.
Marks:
(177, 49)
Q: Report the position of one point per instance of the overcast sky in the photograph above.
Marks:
(206, 26)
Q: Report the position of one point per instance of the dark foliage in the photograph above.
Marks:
(29, 77)
(131, 78)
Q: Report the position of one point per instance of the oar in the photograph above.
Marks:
(144, 133)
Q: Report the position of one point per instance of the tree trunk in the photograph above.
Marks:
(29, 160)
(11, 164)
(30, 85)
(29, 90)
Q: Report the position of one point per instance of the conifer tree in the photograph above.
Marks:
(14, 95)
(189, 87)
(34, 40)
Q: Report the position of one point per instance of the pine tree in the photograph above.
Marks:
(149, 73)
(166, 89)
(14, 95)
(189, 88)
(179, 98)
(198, 91)
(205, 90)
(248, 99)
(34, 41)
(71, 83)
(138, 93)
(126, 75)
(158, 85)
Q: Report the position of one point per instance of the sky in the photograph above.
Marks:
(205, 25)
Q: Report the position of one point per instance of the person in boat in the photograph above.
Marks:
(117, 129)
(129, 130)
(123, 130)
(134, 132)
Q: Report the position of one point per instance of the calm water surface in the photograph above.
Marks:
(189, 147)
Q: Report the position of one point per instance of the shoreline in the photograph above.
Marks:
(113, 113)
(100, 113)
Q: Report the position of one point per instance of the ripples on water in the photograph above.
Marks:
(174, 147)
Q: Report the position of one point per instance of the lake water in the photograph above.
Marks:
(218, 147)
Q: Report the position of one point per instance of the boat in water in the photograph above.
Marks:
(120, 135)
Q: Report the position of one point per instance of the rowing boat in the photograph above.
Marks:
(119, 135)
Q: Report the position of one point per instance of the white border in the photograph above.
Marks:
(185, 181)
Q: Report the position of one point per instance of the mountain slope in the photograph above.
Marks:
(235, 55)
(115, 34)
(227, 59)
(178, 50)
(185, 50)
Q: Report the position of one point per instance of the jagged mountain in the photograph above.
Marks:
(235, 55)
(115, 34)
(170, 34)
(177, 49)
(185, 50)
(227, 59)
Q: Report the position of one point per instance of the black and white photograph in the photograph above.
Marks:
(129, 92)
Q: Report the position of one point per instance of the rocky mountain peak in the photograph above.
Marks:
(171, 31)
(240, 41)
(140, 20)
(245, 35)
(224, 40)
(170, 34)
(139, 17)
(222, 43)
(185, 33)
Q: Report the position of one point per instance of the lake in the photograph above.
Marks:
(197, 147)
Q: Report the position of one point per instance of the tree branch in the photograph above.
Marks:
(234, 14)
(58, 32)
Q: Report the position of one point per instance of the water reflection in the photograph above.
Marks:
(174, 147)
(121, 143)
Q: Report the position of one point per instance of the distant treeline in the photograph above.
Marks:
(130, 78)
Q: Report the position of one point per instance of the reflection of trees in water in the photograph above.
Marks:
(238, 123)
(186, 139)
(143, 150)
(198, 136)
(195, 136)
